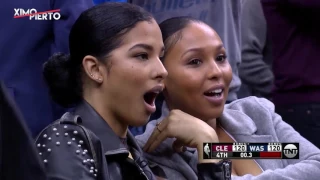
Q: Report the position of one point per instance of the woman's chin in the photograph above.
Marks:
(140, 122)
(213, 113)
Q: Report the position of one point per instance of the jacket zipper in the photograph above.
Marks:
(141, 170)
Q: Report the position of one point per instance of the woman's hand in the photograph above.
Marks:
(188, 131)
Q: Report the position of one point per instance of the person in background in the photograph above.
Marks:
(256, 56)
(113, 74)
(197, 85)
(25, 45)
(293, 26)
(222, 15)
(18, 155)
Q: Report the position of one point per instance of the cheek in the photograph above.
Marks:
(184, 84)
(127, 80)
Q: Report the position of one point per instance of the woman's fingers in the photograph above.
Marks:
(159, 138)
(151, 138)
(187, 129)
(157, 130)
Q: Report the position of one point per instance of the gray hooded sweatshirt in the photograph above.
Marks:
(222, 15)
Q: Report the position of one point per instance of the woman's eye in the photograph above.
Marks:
(195, 62)
(143, 56)
(221, 58)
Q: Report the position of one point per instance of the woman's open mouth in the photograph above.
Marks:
(150, 98)
(215, 95)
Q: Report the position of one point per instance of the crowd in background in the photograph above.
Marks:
(272, 46)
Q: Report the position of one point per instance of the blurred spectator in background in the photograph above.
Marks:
(294, 30)
(25, 45)
(222, 15)
(19, 159)
(255, 68)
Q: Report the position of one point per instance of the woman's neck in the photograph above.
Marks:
(212, 123)
(115, 124)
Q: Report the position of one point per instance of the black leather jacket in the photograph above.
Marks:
(82, 146)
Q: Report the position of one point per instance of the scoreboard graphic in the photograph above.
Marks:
(272, 150)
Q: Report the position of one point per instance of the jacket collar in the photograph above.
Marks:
(111, 143)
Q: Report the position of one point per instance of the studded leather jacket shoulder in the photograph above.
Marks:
(81, 146)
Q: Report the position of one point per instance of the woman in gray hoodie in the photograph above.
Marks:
(197, 85)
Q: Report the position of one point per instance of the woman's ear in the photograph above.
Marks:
(91, 66)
